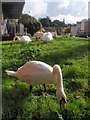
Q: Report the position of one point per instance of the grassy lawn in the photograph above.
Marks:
(72, 55)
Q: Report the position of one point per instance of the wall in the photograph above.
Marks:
(74, 30)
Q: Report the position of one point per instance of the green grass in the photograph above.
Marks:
(72, 55)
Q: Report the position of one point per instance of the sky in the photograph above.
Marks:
(70, 10)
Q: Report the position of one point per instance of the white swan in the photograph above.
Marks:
(47, 36)
(54, 34)
(22, 39)
(36, 72)
(38, 35)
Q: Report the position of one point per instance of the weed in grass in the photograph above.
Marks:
(77, 110)
(72, 71)
(87, 92)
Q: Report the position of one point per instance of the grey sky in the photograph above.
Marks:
(71, 10)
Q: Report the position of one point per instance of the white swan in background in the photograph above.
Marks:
(38, 34)
(47, 36)
(36, 72)
(54, 34)
(22, 39)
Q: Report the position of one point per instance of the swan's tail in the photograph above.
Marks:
(11, 73)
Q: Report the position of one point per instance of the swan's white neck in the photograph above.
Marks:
(59, 82)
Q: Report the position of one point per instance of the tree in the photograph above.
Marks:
(57, 23)
(31, 23)
(46, 22)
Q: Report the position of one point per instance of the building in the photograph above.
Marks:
(87, 27)
(10, 9)
(81, 29)
(75, 29)
(82, 25)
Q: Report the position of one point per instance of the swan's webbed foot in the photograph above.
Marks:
(30, 88)
(44, 87)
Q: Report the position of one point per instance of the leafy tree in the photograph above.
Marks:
(46, 22)
(31, 23)
(57, 23)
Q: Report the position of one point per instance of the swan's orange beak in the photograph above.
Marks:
(63, 103)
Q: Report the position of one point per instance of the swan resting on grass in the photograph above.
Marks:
(38, 35)
(54, 34)
(22, 39)
(47, 36)
(37, 72)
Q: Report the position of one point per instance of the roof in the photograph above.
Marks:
(12, 9)
(83, 20)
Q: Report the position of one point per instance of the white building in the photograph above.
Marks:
(75, 29)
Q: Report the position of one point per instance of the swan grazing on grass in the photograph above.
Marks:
(36, 72)
(22, 39)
